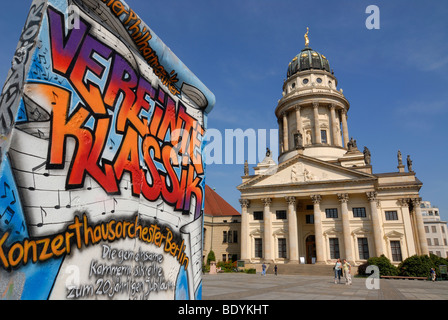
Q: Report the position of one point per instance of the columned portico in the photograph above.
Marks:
(334, 126)
(299, 124)
(413, 247)
(344, 127)
(292, 230)
(317, 137)
(318, 228)
(267, 234)
(420, 226)
(376, 224)
(244, 229)
(343, 199)
(285, 132)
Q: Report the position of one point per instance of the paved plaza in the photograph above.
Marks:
(241, 286)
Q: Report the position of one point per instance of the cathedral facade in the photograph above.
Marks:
(322, 200)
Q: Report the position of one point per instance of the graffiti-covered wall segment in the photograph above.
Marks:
(102, 169)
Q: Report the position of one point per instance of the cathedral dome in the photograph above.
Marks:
(308, 59)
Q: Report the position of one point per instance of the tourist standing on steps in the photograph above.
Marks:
(337, 271)
(347, 272)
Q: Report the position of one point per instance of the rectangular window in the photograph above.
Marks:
(258, 248)
(436, 241)
(395, 248)
(438, 253)
(309, 207)
(229, 237)
(323, 136)
(391, 215)
(443, 229)
(363, 248)
(235, 236)
(428, 240)
(426, 229)
(309, 218)
(444, 241)
(224, 236)
(258, 215)
(282, 248)
(224, 258)
(433, 229)
(331, 213)
(334, 248)
(359, 212)
(280, 214)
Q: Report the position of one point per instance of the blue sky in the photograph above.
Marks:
(395, 78)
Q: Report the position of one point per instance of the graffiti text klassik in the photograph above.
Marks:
(167, 144)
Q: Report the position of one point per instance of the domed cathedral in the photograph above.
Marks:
(322, 201)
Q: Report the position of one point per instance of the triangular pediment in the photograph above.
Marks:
(332, 231)
(393, 234)
(305, 170)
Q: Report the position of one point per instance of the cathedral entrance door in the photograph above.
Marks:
(310, 243)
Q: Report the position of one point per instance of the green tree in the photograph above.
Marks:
(416, 266)
(438, 261)
(384, 265)
(210, 257)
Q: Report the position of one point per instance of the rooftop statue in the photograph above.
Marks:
(307, 40)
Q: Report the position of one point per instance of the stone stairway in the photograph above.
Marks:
(302, 269)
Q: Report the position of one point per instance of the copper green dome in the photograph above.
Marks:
(308, 59)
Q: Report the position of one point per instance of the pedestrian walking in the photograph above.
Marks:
(263, 269)
(433, 274)
(275, 269)
(337, 271)
(347, 272)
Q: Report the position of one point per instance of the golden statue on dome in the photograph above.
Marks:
(307, 40)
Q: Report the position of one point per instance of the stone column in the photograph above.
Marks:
(299, 122)
(376, 223)
(244, 229)
(343, 198)
(420, 226)
(409, 228)
(318, 233)
(344, 127)
(293, 245)
(267, 234)
(334, 125)
(285, 132)
(317, 138)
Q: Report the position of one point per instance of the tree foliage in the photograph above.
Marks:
(210, 257)
(384, 265)
(420, 266)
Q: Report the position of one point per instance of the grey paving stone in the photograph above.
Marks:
(240, 286)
